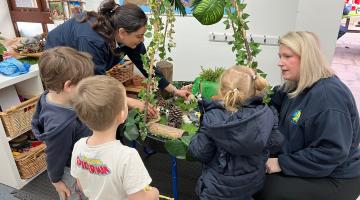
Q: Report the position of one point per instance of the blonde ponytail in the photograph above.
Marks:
(239, 83)
(233, 99)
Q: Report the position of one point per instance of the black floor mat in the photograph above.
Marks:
(159, 167)
(38, 189)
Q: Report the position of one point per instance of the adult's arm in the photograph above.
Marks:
(135, 57)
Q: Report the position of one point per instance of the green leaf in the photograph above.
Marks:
(186, 140)
(2, 49)
(209, 12)
(148, 27)
(242, 6)
(169, 59)
(176, 148)
(148, 34)
(179, 6)
(162, 55)
(131, 132)
(190, 128)
(244, 16)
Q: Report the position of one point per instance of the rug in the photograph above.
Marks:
(38, 189)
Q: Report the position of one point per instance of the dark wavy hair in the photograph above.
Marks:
(111, 17)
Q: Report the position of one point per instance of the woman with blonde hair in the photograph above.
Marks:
(320, 158)
(233, 135)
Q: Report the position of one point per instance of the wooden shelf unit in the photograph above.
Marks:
(27, 85)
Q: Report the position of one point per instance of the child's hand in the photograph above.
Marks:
(272, 166)
(148, 193)
(62, 189)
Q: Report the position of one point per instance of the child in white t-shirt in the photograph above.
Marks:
(104, 168)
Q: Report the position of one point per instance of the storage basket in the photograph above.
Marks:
(122, 72)
(32, 162)
(17, 120)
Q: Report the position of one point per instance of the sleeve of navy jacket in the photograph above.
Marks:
(201, 147)
(135, 57)
(59, 128)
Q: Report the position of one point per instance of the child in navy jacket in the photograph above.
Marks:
(233, 136)
(55, 122)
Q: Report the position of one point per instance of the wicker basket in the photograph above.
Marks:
(32, 162)
(122, 72)
(17, 120)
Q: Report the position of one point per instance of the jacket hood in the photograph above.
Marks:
(244, 132)
(47, 122)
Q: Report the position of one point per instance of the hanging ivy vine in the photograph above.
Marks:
(159, 35)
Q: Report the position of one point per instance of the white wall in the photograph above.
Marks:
(322, 17)
(271, 18)
(6, 28)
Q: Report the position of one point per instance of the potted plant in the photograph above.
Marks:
(207, 84)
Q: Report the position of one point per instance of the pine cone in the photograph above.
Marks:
(175, 117)
(162, 103)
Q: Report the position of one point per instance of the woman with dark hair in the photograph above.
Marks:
(108, 35)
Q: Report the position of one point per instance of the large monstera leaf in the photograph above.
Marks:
(208, 12)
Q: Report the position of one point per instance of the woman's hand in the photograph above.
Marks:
(135, 103)
(272, 166)
(182, 93)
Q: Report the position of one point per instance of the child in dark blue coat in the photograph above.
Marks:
(233, 136)
(55, 122)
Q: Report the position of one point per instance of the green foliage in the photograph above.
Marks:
(135, 127)
(208, 12)
(180, 102)
(177, 148)
(158, 34)
(179, 6)
(2, 49)
(189, 128)
(210, 74)
(29, 60)
(269, 92)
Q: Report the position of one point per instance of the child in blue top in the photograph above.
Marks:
(233, 136)
(55, 122)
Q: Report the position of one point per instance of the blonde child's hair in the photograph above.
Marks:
(313, 65)
(98, 100)
(61, 64)
(239, 83)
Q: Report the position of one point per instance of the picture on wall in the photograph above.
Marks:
(75, 7)
(56, 10)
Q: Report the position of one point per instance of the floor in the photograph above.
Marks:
(346, 63)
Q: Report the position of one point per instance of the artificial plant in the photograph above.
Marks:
(159, 33)
(207, 83)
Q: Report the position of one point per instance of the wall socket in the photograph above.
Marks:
(261, 39)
